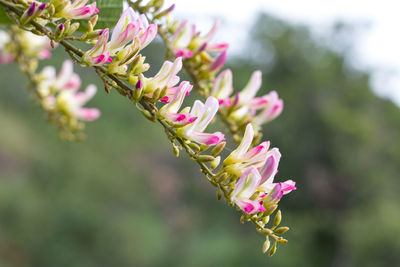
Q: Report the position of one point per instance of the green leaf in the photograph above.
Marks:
(4, 19)
(110, 11)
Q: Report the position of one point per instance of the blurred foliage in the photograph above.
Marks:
(121, 199)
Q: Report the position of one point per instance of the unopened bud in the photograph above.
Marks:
(59, 32)
(204, 147)
(51, 10)
(176, 150)
(273, 249)
(278, 218)
(218, 148)
(72, 28)
(147, 114)
(156, 95)
(205, 158)
(94, 34)
(28, 14)
(266, 245)
(242, 219)
(139, 84)
(93, 20)
(89, 26)
(195, 147)
(219, 193)
(215, 163)
(267, 231)
(281, 230)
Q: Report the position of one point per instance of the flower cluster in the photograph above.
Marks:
(256, 167)
(246, 176)
(60, 96)
(190, 44)
(131, 34)
(244, 107)
(32, 45)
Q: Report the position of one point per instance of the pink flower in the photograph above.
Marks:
(72, 102)
(271, 109)
(170, 110)
(219, 62)
(245, 189)
(98, 55)
(268, 173)
(258, 110)
(186, 40)
(222, 88)
(244, 156)
(166, 77)
(195, 131)
(65, 80)
(128, 26)
(78, 10)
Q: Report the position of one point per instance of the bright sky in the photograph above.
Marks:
(376, 49)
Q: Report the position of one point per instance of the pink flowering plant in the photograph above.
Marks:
(245, 178)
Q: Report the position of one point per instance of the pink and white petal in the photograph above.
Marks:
(271, 166)
(217, 48)
(88, 114)
(251, 88)
(148, 35)
(208, 139)
(248, 206)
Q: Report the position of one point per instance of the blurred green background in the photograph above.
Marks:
(120, 198)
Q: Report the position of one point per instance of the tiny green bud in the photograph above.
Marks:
(59, 32)
(218, 148)
(195, 147)
(51, 9)
(74, 26)
(278, 218)
(273, 249)
(89, 26)
(267, 231)
(147, 114)
(156, 94)
(93, 20)
(204, 147)
(265, 219)
(282, 240)
(215, 162)
(266, 245)
(242, 219)
(176, 150)
(205, 158)
(281, 230)
(219, 193)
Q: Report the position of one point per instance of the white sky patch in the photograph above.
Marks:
(377, 49)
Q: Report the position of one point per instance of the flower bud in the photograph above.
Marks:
(176, 150)
(215, 163)
(266, 245)
(59, 32)
(273, 249)
(195, 147)
(205, 158)
(93, 20)
(267, 231)
(278, 218)
(71, 29)
(218, 148)
(281, 230)
(28, 14)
